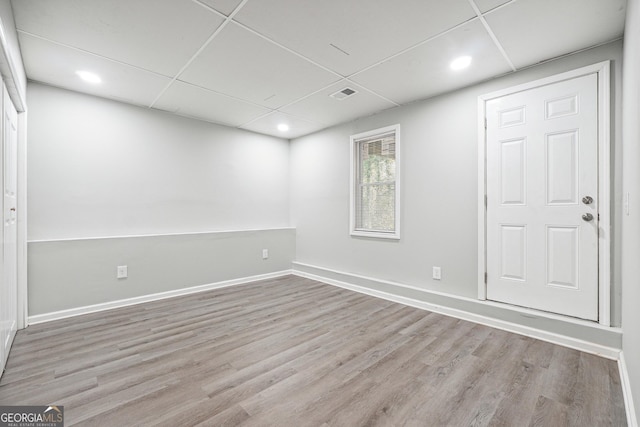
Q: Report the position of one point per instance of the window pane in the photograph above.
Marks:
(377, 162)
(377, 207)
(374, 174)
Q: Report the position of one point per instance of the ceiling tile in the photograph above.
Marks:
(533, 30)
(188, 100)
(485, 5)
(347, 36)
(322, 107)
(157, 35)
(424, 71)
(56, 65)
(223, 6)
(246, 66)
(297, 126)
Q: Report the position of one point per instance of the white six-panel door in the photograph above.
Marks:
(542, 198)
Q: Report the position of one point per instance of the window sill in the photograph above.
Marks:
(375, 234)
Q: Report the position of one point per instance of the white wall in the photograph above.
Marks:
(631, 185)
(439, 188)
(103, 174)
(102, 168)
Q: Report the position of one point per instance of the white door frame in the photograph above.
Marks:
(12, 78)
(23, 294)
(602, 69)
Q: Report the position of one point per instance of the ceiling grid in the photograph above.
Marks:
(254, 64)
(204, 45)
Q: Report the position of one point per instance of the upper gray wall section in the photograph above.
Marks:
(102, 168)
(439, 215)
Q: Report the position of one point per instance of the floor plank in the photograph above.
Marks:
(293, 351)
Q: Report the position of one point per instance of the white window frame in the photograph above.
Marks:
(354, 183)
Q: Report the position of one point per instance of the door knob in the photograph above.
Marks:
(587, 200)
(587, 217)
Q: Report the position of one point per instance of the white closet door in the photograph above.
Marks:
(9, 285)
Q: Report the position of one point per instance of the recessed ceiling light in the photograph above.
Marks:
(460, 63)
(89, 77)
(283, 127)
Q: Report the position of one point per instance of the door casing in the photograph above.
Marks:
(602, 70)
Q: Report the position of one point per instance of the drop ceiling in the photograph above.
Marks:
(255, 64)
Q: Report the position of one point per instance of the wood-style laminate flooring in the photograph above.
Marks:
(296, 352)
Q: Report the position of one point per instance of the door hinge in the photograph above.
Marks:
(485, 123)
(485, 278)
(486, 201)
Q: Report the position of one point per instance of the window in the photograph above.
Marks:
(375, 184)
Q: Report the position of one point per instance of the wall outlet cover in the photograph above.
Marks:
(122, 272)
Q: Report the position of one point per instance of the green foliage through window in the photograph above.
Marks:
(376, 183)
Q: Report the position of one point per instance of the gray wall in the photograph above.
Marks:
(439, 221)
(77, 273)
(102, 168)
(99, 168)
(631, 185)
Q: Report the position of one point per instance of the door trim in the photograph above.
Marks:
(14, 80)
(602, 70)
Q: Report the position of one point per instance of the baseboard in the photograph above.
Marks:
(629, 407)
(63, 314)
(555, 338)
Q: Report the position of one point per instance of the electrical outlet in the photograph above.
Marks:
(265, 253)
(437, 273)
(122, 272)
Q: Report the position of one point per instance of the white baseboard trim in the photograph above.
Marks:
(629, 407)
(577, 344)
(63, 314)
(521, 310)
